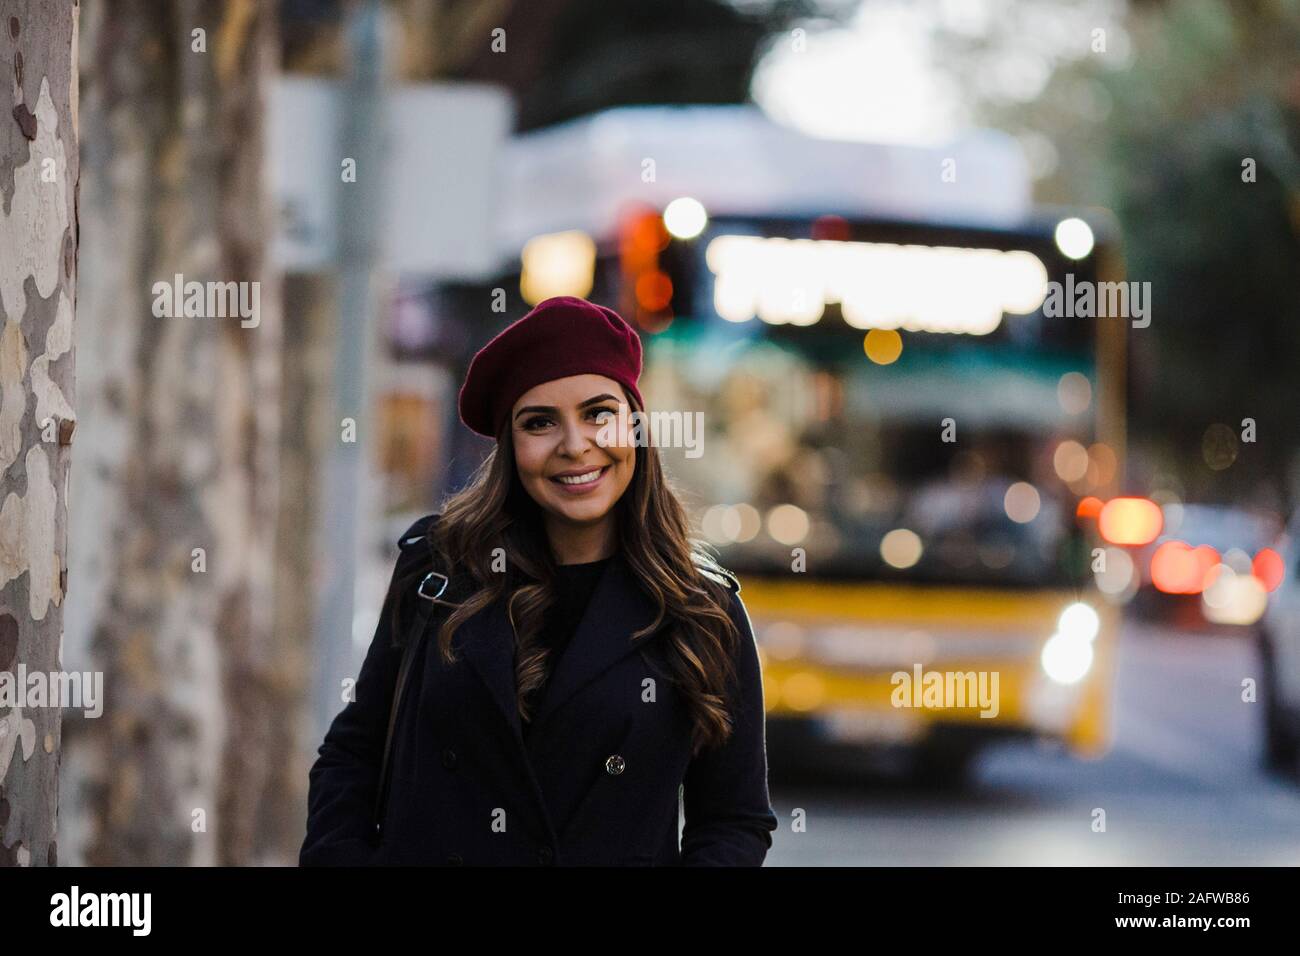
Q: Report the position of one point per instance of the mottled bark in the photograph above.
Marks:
(306, 404)
(186, 415)
(38, 263)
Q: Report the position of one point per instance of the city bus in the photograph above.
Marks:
(900, 440)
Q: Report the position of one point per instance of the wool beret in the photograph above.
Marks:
(561, 336)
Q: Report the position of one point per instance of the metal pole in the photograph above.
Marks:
(361, 129)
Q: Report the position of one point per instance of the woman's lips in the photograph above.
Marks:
(581, 484)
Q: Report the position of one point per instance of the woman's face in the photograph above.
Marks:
(554, 428)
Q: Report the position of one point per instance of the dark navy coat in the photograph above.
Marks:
(598, 780)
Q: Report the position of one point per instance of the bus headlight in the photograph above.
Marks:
(1079, 622)
(1066, 658)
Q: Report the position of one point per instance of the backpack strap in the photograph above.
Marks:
(430, 589)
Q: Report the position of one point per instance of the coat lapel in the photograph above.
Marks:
(488, 643)
(618, 608)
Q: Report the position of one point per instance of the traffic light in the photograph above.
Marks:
(646, 290)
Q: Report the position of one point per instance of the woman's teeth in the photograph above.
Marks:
(579, 479)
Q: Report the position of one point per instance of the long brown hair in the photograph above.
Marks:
(677, 572)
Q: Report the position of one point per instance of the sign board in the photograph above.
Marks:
(443, 144)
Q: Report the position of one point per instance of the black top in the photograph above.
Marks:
(574, 584)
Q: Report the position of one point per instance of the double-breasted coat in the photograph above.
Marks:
(597, 780)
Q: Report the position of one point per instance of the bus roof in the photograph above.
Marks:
(737, 161)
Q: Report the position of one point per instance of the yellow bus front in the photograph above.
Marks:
(896, 434)
(887, 663)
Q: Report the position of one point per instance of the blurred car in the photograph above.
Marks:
(1278, 636)
(1205, 565)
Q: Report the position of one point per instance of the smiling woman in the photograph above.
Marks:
(594, 664)
(565, 470)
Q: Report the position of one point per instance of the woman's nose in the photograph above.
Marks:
(573, 438)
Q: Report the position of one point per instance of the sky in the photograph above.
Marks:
(882, 77)
(874, 80)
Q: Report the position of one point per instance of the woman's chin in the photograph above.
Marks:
(580, 512)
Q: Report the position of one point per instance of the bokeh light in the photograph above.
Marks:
(1066, 659)
(787, 524)
(1070, 461)
(1219, 446)
(1178, 568)
(654, 291)
(901, 548)
(1022, 502)
(1089, 508)
(685, 217)
(1232, 598)
(1130, 521)
(1268, 567)
(748, 522)
(883, 346)
(1074, 237)
(1074, 392)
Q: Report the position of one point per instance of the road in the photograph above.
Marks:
(1182, 786)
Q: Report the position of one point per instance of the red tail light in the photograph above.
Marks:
(1089, 507)
(1268, 567)
(1178, 568)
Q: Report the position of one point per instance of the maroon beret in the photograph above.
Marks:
(561, 336)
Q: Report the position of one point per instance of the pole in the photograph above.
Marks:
(360, 139)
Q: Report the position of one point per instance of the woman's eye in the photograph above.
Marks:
(541, 421)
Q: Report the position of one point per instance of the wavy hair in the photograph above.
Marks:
(678, 572)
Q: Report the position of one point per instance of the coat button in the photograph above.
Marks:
(545, 855)
(449, 759)
(455, 859)
(614, 764)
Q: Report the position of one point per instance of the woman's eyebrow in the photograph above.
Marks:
(551, 409)
(536, 408)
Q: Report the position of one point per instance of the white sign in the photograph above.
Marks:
(440, 178)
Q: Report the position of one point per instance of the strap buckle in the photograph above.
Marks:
(441, 590)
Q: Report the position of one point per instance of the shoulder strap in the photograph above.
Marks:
(431, 588)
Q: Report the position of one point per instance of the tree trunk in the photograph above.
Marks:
(307, 401)
(38, 263)
(181, 486)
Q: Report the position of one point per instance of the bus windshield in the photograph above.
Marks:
(959, 459)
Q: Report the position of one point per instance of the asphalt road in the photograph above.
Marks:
(1183, 784)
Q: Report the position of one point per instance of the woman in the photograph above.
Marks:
(588, 666)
